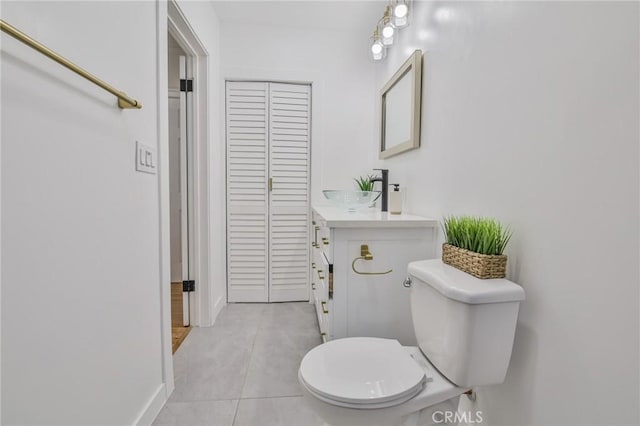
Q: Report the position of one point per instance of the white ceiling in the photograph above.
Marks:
(354, 15)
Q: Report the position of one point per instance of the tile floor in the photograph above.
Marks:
(243, 370)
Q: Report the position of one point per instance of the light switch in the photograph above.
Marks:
(145, 158)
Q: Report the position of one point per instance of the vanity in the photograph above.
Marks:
(358, 265)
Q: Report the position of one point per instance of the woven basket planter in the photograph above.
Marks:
(481, 266)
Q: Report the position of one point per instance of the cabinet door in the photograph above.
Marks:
(247, 191)
(289, 161)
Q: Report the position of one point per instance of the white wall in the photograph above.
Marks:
(530, 115)
(81, 329)
(342, 102)
(174, 51)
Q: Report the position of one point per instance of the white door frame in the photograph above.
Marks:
(175, 23)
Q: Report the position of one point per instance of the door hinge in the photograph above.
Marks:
(188, 285)
(270, 184)
(186, 85)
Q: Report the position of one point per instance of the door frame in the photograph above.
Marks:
(175, 23)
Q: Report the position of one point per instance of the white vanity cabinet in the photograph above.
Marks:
(350, 303)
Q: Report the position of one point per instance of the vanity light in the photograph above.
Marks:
(378, 51)
(400, 13)
(396, 15)
(388, 30)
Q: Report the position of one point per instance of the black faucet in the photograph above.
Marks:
(385, 187)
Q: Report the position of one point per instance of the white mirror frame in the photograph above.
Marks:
(413, 65)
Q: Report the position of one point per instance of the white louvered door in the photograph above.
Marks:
(268, 137)
(247, 192)
(289, 137)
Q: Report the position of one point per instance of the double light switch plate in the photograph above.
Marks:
(145, 158)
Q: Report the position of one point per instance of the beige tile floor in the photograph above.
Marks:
(243, 370)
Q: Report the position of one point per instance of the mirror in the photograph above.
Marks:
(400, 104)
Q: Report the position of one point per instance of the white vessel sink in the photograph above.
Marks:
(351, 200)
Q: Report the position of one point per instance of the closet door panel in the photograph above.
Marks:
(247, 191)
(289, 161)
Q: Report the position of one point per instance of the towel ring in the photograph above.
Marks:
(365, 254)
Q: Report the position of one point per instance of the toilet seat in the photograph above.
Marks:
(362, 372)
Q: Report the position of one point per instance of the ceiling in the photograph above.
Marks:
(345, 15)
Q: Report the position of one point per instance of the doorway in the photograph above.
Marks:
(180, 108)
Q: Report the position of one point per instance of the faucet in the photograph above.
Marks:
(385, 187)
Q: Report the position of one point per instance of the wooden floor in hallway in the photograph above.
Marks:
(243, 370)
(178, 331)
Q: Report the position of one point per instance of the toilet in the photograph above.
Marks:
(464, 327)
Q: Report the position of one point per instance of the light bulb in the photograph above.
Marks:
(376, 48)
(400, 14)
(401, 10)
(387, 31)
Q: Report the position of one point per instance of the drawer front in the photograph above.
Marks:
(322, 312)
(324, 239)
(321, 270)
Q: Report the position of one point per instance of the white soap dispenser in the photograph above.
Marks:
(395, 199)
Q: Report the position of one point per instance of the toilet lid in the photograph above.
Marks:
(362, 371)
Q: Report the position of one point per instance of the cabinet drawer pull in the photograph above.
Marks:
(324, 307)
(325, 241)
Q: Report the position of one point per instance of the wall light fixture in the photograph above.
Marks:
(396, 15)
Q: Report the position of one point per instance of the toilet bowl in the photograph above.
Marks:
(464, 328)
(372, 381)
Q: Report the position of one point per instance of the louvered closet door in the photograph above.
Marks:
(289, 137)
(247, 191)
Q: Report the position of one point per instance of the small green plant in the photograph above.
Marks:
(478, 234)
(365, 183)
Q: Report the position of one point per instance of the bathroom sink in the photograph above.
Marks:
(351, 200)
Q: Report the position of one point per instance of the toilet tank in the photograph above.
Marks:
(464, 325)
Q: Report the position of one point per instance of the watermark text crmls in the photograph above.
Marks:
(456, 417)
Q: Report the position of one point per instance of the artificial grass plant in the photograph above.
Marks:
(477, 234)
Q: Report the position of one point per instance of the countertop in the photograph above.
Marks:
(336, 217)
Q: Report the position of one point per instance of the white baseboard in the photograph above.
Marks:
(217, 307)
(153, 407)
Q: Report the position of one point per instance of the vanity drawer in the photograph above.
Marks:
(322, 312)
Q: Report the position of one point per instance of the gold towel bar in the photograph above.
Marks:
(124, 101)
(365, 254)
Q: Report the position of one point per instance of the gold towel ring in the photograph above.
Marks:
(365, 254)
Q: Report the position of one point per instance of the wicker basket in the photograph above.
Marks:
(481, 266)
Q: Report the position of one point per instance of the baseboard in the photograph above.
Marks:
(217, 307)
(153, 407)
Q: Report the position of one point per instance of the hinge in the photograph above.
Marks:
(186, 85)
(188, 285)
(270, 184)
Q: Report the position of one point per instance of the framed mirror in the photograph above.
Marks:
(400, 105)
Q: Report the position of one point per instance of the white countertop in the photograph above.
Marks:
(336, 217)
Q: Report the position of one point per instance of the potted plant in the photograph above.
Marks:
(365, 183)
(475, 245)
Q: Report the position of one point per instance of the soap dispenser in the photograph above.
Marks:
(395, 199)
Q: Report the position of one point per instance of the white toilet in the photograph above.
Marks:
(464, 327)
